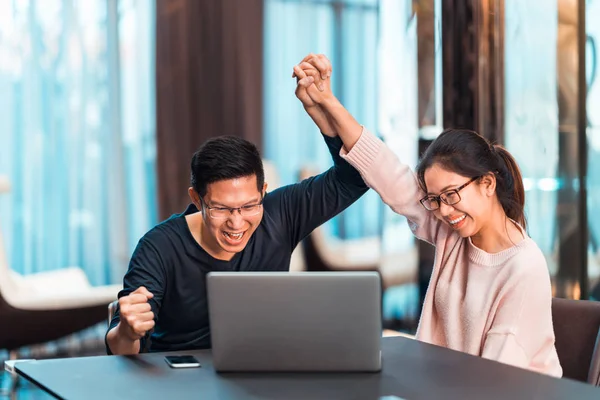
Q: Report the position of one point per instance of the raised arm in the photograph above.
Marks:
(304, 206)
(314, 110)
(313, 89)
(379, 166)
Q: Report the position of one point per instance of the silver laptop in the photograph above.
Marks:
(306, 321)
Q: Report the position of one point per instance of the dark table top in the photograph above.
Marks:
(411, 370)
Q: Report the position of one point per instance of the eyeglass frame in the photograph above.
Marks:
(231, 209)
(439, 196)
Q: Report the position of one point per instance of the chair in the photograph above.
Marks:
(46, 306)
(324, 253)
(112, 309)
(577, 331)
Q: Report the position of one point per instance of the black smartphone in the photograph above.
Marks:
(182, 361)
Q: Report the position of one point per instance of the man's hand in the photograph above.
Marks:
(310, 81)
(311, 89)
(317, 87)
(305, 80)
(320, 62)
(137, 317)
(313, 72)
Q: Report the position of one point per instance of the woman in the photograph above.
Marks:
(490, 292)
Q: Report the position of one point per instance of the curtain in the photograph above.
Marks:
(209, 83)
(77, 133)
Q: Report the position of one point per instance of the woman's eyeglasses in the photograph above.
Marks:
(449, 197)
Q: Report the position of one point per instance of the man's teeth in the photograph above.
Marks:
(457, 220)
(235, 235)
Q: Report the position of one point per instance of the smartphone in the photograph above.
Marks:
(182, 361)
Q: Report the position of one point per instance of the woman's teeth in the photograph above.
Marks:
(457, 220)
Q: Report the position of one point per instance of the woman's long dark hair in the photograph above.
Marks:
(471, 155)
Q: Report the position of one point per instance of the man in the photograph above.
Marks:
(233, 224)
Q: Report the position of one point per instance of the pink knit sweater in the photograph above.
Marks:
(496, 306)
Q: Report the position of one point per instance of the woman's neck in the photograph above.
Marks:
(500, 233)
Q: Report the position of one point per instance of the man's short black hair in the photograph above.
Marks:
(223, 158)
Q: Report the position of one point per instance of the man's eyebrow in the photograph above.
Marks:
(217, 204)
(252, 202)
(221, 205)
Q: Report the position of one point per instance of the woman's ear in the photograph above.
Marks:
(488, 184)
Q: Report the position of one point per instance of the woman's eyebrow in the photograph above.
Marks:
(443, 190)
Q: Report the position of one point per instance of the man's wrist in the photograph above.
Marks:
(119, 342)
(320, 118)
(124, 332)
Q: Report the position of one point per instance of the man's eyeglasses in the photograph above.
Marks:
(225, 212)
(449, 197)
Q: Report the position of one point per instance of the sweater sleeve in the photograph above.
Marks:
(505, 348)
(521, 333)
(396, 183)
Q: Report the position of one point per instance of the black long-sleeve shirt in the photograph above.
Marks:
(173, 266)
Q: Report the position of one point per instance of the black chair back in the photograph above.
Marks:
(577, 331)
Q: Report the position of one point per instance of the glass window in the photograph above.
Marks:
(373, 48)
(541, 116)
(531, 111)
(593, 136)
(76, 133)
(347, 33)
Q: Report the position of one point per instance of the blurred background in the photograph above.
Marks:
(103, 102)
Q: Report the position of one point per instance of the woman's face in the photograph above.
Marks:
(472, 203)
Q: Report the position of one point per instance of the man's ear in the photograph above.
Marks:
(195, 197)
(264, 190)
(488, 184)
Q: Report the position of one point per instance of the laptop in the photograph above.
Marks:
(305, 321)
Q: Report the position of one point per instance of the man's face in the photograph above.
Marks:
(232, 212)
